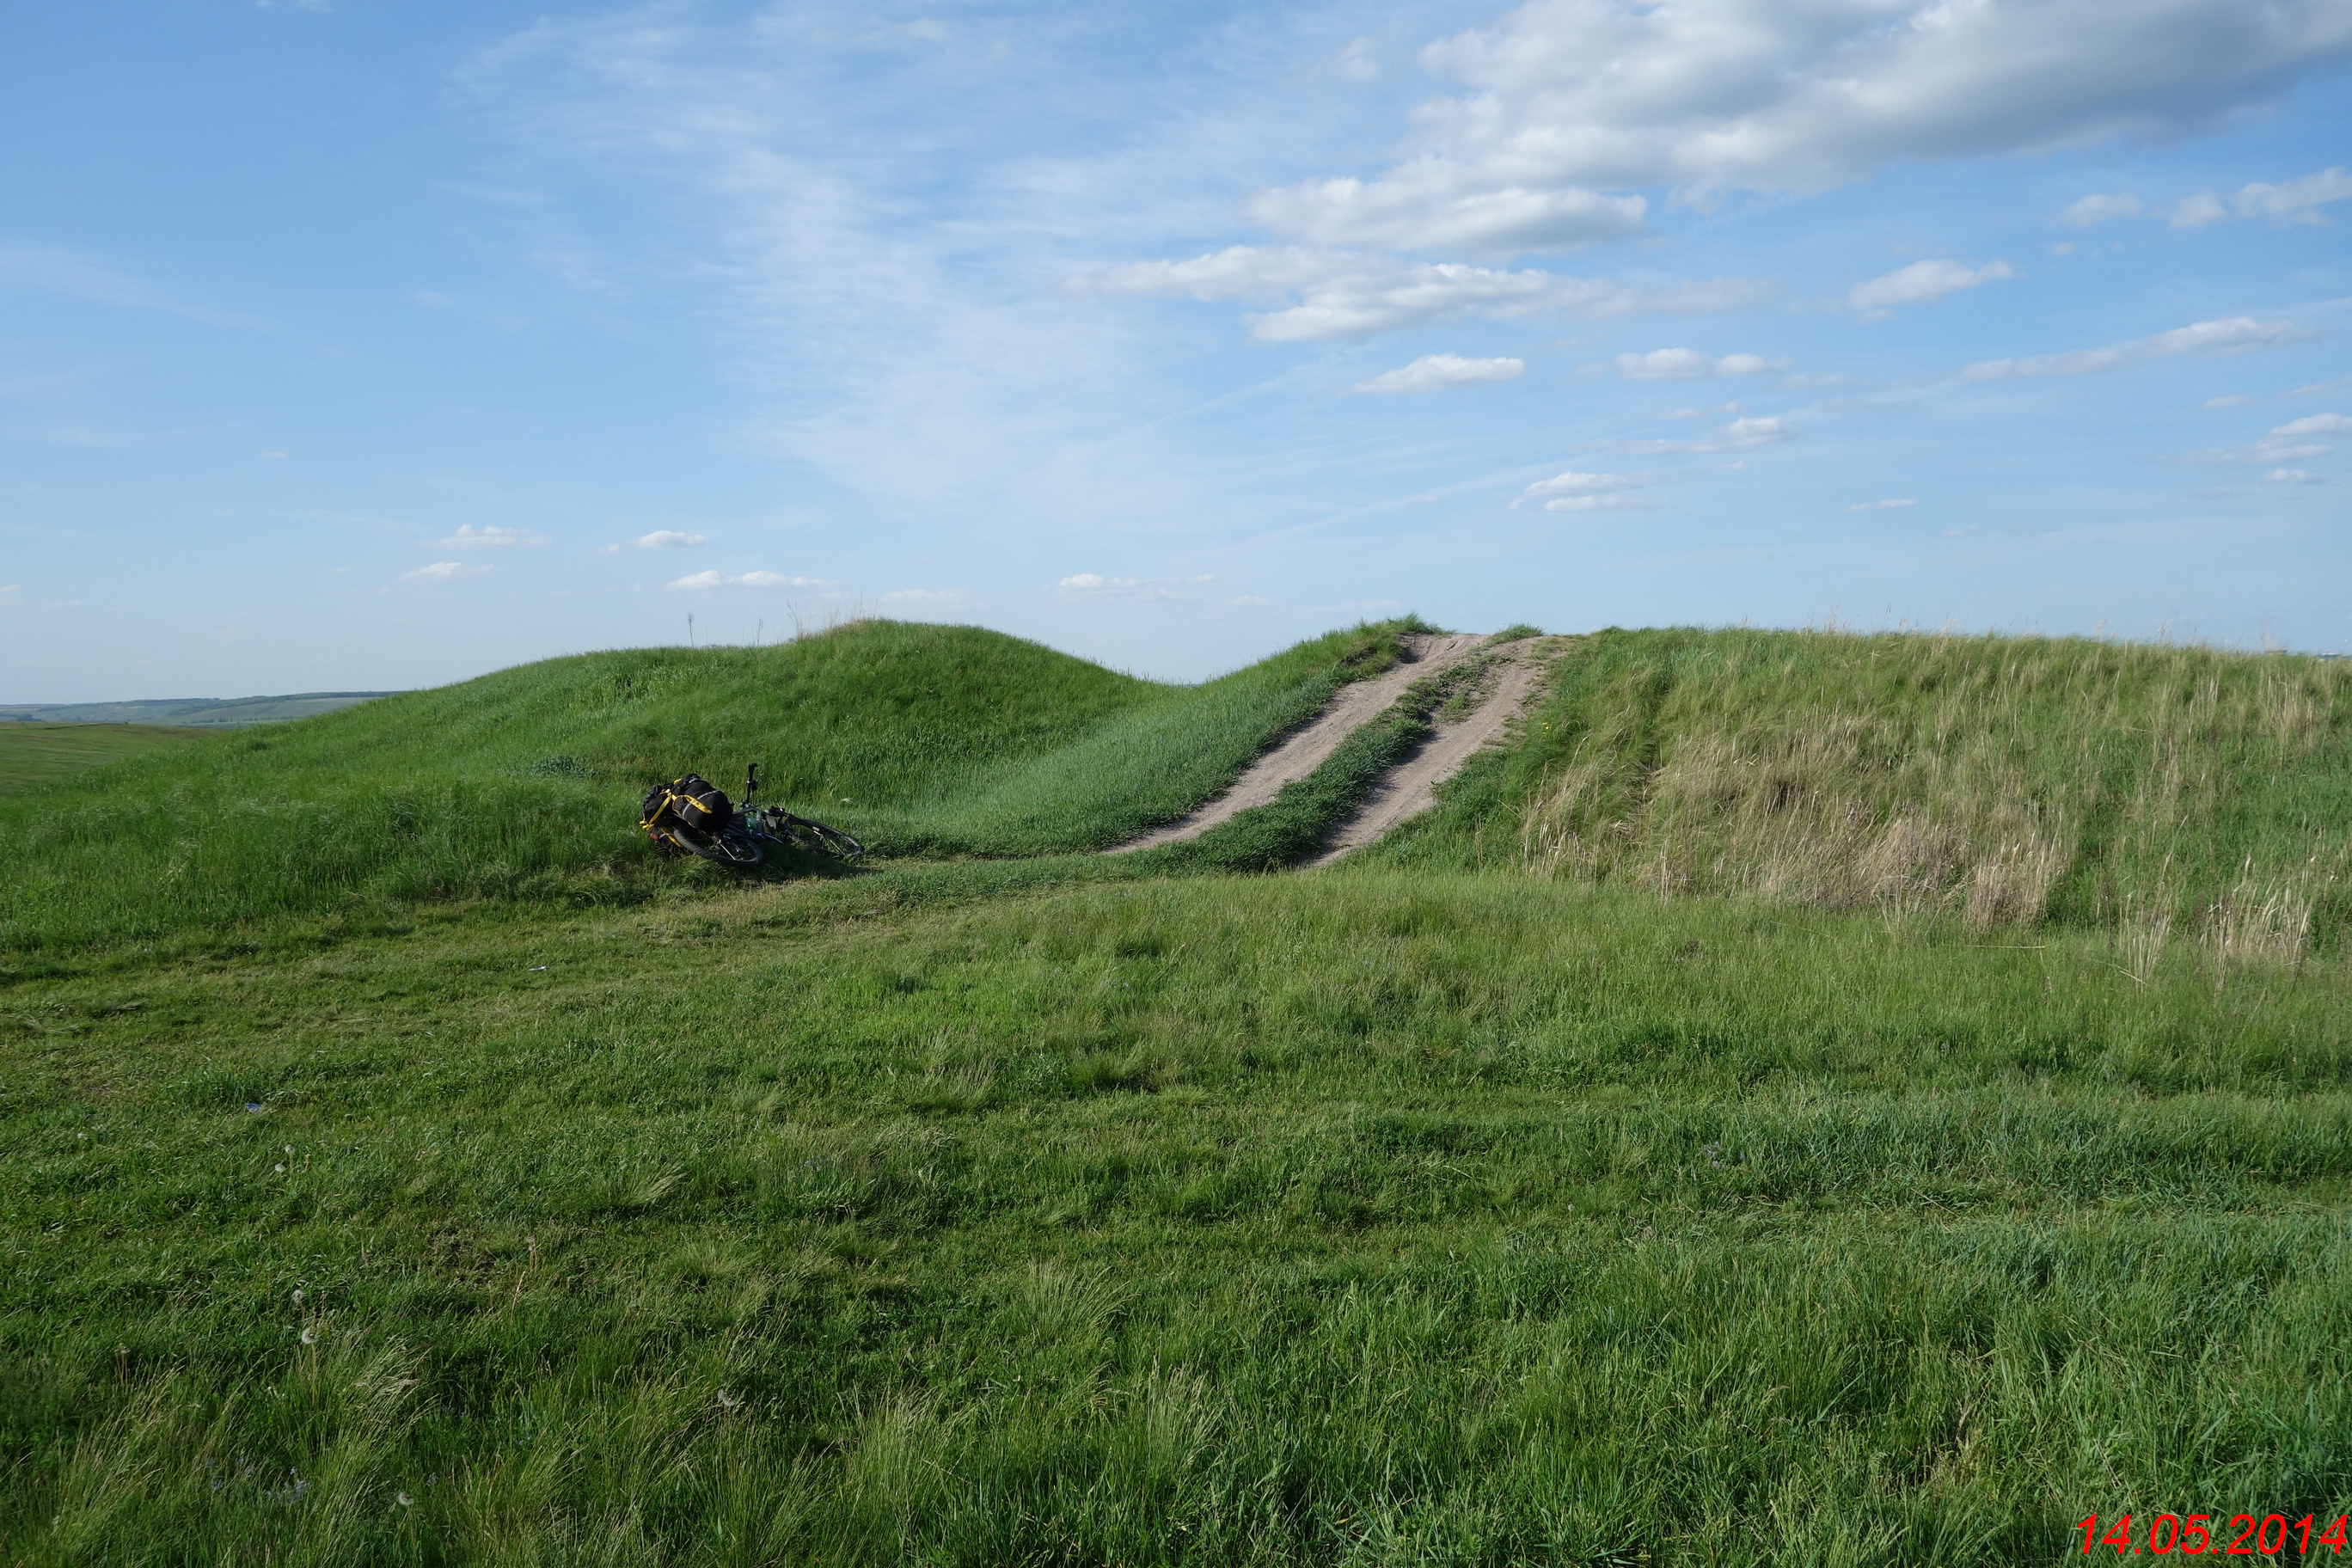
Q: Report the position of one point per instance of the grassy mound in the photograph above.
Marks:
(2157, 793)
(935, 740)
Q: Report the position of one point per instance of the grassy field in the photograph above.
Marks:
(200, 712)
(34, 756)
(1487, 1199)
(1366, 1216)
(524, 785)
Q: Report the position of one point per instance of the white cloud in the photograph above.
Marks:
(1688, 365)
(1569, 101)
(1150, 587)
(1880, 505)
(444, 572)
(667, 538)
(1738, 436)
(2314, 425)
(1922, 283)
(1355, 62)
(704, 581)
(1424, 208)
(468, 537)
(1589, 503)
(778, 580)
(2293, 202)
(2233, 401)
(2291, 477)
(2197, 211)
(2211, 340)
(1788, 95)
(86, 277)
(2099, 209)
(1436, 372)
(1576, 484)
(1342, 294)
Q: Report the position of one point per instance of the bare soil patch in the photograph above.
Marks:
(1353, 705)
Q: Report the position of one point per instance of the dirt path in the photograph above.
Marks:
(1354, 704)
(1410, 788)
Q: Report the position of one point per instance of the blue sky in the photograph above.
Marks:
(353, 345)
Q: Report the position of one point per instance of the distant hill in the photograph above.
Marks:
(198, 712)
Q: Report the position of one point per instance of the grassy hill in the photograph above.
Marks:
(1806, 1099)
(2161, 793)
(920, 740)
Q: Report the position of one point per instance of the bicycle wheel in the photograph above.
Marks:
(729, 846)
(834, 841)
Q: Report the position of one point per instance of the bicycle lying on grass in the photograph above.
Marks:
(690, 816)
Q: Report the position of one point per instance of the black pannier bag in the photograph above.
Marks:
(691, 802)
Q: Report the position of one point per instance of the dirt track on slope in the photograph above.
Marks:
(1410, 788)
(1353, 705)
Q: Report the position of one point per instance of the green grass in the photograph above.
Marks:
(1803, 1099)
(36, 756)
(2178, 794)
(1363, 1217)
(525, 784)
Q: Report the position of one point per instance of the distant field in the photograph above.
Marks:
(32, 755)
(201, 712)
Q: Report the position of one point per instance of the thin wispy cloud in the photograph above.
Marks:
(709, 582)
(445, 571)
(2211, 340)
(1345, 295)
(1688, 365)
(1438, 372)
(1921, 283)
(1880, 505)
(468, 537)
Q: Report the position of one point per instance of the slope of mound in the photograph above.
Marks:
(2159, 792)
(525, 783)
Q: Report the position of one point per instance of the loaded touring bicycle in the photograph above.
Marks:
(691, 815)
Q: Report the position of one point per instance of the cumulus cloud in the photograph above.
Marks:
(1688, 365)
(2297, 201)
(2291, 477)
(704, 581)
(1880, 505)
(2212, 339)
(1343, 294)
(468, 537)
(1436, 372)
(444, 572)
(1571, 104)
(1922, 283)
(2099, 209)
(1792, 95)
(667, 538)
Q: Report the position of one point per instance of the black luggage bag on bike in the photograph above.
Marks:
(692, 802)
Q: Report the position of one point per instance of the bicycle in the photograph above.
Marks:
(752, 829)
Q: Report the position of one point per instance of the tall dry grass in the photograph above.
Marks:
(2002, 781)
